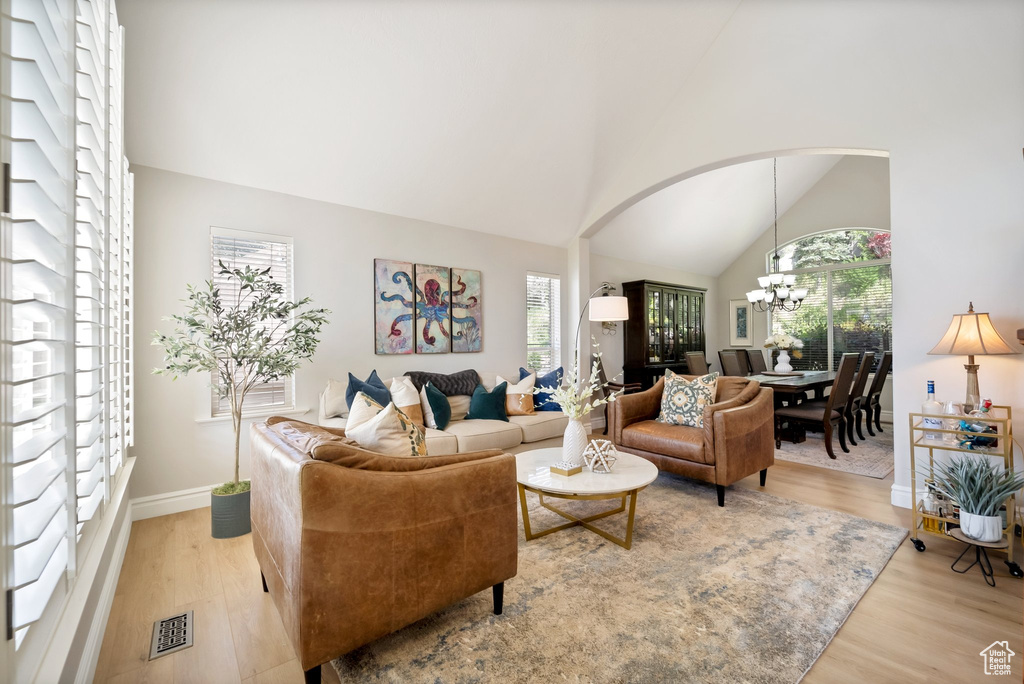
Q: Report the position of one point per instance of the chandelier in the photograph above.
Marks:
(777, 291)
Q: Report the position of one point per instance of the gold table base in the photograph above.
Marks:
(582, 522)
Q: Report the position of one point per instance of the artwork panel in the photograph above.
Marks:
(467, 310)
(433, 309)
(740, 322)
(393, 306)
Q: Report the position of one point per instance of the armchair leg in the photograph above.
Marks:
(313, 675)
(878, 418)
(721, 495)
(828, 440)
(264, 578)
(849, 428)
(764, 476)
(842, 435)
(867, 413)
(498, 593)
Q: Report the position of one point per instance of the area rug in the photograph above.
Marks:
(872, 457)
(752, 592)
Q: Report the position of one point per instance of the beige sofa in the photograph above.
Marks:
(461, 436)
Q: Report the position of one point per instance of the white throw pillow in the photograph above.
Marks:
(334, 399)
(407, 399)
(385, 430)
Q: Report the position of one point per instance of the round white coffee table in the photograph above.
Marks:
(629, 476)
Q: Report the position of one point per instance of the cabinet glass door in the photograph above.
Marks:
(684, 323)
(654, 348)
(669, 325)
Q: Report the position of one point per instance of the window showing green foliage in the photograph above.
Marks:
(842, 288)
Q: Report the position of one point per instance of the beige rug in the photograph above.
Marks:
(872, 457)
(752, 592)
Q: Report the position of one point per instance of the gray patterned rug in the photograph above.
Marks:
(872, 457)
(752, 592)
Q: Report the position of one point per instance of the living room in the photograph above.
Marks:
(546, 157)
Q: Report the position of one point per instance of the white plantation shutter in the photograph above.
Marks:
(38, 307)
(237, 249)
(543, 322)
(92, 273)
(66, 280)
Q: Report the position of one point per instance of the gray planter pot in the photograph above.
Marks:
(230, 514)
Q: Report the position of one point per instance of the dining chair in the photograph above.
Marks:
(732, 363)
(607, 387)
(856, 401)
(696, 363)
(873, 406)
(756, 360)
(829, 412)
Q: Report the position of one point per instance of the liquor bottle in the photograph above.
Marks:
(933, 408)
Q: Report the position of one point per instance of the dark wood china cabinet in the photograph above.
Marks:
(665, 322)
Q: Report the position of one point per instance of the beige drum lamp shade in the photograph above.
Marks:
(972, 334)
(609, 308)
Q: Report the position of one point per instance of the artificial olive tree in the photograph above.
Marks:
(245, 338)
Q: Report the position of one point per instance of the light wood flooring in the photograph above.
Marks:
(919, 621)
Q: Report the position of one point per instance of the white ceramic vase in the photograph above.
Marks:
(782, 364)
(574, 442)
(983, 528)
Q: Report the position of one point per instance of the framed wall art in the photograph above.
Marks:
(740, 323)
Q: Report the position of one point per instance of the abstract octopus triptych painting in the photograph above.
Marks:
(426, 309)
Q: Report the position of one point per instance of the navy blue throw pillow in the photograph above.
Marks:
(374, 388)
(552, 380)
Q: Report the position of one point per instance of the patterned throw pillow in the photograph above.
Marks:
(551, 381)
(407, 399)
(384, 430)
(683, 401)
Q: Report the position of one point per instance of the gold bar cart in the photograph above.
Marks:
(1001, 418)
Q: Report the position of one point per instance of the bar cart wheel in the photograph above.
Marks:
(1014, 569)
(918, 544)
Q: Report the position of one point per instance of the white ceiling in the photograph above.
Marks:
(502, 117)
(702, 224)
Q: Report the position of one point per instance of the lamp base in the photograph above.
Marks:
(973, 399)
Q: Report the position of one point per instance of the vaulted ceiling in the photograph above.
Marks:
(500, 117)
(702, 224)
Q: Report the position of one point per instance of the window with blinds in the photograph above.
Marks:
(238, 249)
(64, 270)
(849, 303)
(543, 322)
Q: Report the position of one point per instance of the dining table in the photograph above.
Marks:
(789, 388)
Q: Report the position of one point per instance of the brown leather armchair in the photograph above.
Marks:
(737, 439)
(354, 545)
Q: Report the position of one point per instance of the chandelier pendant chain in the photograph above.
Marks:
(777, 291)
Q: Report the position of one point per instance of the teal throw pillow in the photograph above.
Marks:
(683, 401)
(440, 409)
(488, 405)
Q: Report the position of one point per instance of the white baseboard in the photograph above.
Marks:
(900, 496)
(145, 507)
(886, 417)
(91, 652)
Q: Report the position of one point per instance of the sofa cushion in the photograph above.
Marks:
(463, 382)
(679, 441)
(437, 412)
(460, 406)
(541, 425)
(488, 405)
(683, 400)
(374, 388)
(474, 435)
(550, 381)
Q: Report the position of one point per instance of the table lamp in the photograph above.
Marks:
(972, 334)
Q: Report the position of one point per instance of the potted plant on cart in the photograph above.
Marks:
(251, 336)
(979, 488)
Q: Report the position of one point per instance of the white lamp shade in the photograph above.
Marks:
(609, 308)
(799, 293)
(789, 280)
(763, 281)
(972, 334)
(775, 278)
(782, 292)
(755, 296)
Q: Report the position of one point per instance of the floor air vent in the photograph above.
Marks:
(171, 634)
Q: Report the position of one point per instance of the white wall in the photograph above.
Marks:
(334, 251)
(940, 87)
(853, 194)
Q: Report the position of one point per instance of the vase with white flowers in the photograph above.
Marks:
(785, 343)
(577, 400)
